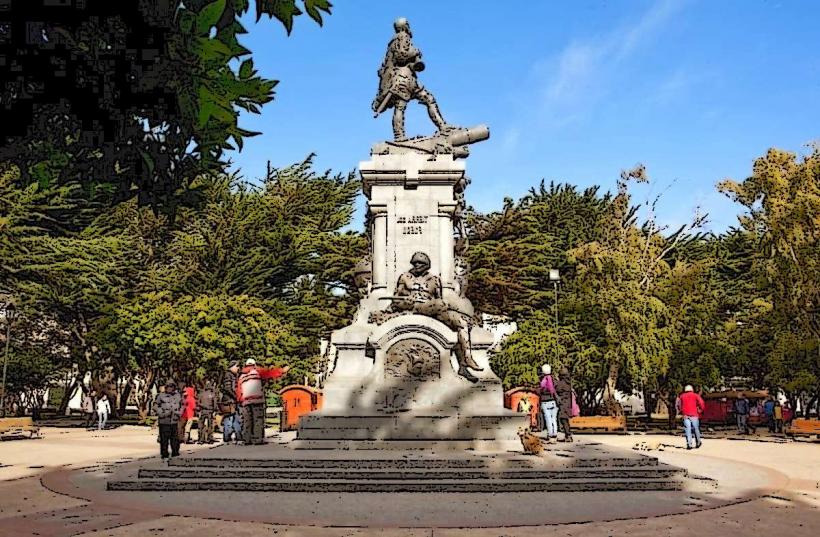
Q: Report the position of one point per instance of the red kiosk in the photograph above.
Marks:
(514, 396)
(298, 400)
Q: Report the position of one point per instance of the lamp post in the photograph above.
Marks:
(9, 314)
(555, 278)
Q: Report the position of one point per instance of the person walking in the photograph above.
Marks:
(251, 396)
(768, 409)
(742, 414)
(89, 408)
(168, 407)
(103, 410)
(548, 400)
(229, 407)
(206, 403)
(186, 421)
(563, 392)
(691, 406)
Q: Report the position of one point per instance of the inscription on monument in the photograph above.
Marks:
(411, 224)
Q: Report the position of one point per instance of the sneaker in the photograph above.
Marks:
(698, 445)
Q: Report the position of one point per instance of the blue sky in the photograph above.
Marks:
(572, 91)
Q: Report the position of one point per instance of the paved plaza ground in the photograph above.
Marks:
(776, 483)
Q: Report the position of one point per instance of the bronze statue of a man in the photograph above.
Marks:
(420, 292)
(398, 83)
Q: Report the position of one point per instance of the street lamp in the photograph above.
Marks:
(9, 314)
(555, 278)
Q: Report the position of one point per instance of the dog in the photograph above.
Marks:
(650, 445)
(531, 443)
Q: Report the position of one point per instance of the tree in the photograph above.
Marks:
(135, 98)
(782, 200)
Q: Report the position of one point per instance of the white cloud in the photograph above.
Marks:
(580, 75)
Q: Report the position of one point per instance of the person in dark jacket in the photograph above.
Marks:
(742, 414)
(563, 390)
(229, 406)
(206, 404)
(168, 407)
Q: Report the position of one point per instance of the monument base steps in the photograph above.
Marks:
(568, 468)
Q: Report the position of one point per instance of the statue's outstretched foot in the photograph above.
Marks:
(466, 374)
(471, 364)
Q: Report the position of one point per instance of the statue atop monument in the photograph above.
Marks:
(398, 83)
(418, 291)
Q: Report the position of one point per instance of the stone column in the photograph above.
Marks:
(446, 243)
(379, 253)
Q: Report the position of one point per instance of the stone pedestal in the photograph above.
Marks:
(398, 380)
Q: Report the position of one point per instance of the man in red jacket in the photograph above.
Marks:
(251, 396)
(691, 406)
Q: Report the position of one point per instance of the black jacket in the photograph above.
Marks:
(564, 391)
(229, 388)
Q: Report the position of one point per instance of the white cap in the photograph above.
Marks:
(546, 369)
(688, 388)
(250, 361)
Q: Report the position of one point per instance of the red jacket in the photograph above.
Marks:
(691, 404)
(189, 403)
(253, 374)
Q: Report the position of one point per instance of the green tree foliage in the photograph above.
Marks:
(512, 250)
(782, 199)
(130, 98)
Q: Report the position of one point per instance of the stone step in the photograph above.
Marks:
(411, 426)
(319, 474)
(407, 463)
(338, 485)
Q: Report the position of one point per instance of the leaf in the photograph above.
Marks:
(313, 8)
(246, 69)
(283, 10)
(208, 16)
(186, 21)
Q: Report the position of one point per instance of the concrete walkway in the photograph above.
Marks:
(778, 486)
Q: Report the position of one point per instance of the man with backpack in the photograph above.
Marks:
(168, 406)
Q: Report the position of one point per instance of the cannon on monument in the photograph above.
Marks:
(452, 142)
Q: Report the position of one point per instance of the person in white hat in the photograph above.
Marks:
(251, 396)
(691, 406)
(549, 403)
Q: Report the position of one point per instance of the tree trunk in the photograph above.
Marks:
(671, 399)
(72, 387)
(650, 400)
(126, 393)
(143, 394)
(611, 406)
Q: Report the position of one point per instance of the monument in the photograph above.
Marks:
(413, 365)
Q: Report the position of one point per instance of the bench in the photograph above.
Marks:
(15, 427)
(804, 427)
(609, 424)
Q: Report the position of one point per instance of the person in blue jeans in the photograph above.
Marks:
(231, 417)
(232, 425)
(549, 403)
(691, 406)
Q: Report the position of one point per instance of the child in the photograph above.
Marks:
(778, 417)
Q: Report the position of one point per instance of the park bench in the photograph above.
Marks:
(609, 424)
(804, 427)
(15, 427)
